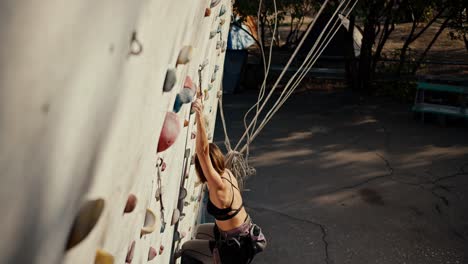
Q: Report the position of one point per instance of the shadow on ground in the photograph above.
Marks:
(344, 180)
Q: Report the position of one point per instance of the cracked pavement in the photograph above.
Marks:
(346, 180)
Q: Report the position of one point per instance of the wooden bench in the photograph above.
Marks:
(441, 99)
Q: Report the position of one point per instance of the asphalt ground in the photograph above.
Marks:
(342, 179)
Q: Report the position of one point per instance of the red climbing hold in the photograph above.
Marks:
(131, 203)
(152, 253)
(169, 132)
(161, 249)
(207, 12)
(130, 252)
(186, 123)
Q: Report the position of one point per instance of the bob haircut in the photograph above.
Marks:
(217, 160)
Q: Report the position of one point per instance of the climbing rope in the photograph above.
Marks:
(235, 159)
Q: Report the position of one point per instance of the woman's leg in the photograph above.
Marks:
(205, 231)
(198, 249)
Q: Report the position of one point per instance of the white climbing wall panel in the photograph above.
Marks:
(81, 112)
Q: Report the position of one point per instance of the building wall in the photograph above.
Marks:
(80, 119)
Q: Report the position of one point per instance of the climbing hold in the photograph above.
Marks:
(135, 45)
(194, 135)
(163, 166)
(222, 21)
(207, 94)
(222, 10)
(219, 44)
(216, 68)
(130, 252)
(187, 153)
(103, 257)
(207, 12)
(163, 227)
(186, 95)
(186, 123)
(158, 194)
(169, 132)
(185, 55)
(161, 249)
(131, 204)
(170, 80)
(214, 3)
(182, 215)
(182, 193)
(220, 93)
(152, 253)
(186, 203)
(182, 235)
(177, 104)
(84, 222)
(213, 33)
(150, 223)
(175, 216)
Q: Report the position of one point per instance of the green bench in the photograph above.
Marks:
(441, 99)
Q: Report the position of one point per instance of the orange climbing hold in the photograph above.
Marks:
(169, 132)
(103, 257)
(85, 222)
(131, 204)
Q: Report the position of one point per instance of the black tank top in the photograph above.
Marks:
(226, 213)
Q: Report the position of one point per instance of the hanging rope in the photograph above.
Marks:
(234, 158)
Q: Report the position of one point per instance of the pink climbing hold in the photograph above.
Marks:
(163, 166)
(130, 253)
(152, 253)
(169, 132)
(131, 204)
(189, 84)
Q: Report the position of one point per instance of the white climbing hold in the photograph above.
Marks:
(150, 223)
(175, 216)
(185, 55)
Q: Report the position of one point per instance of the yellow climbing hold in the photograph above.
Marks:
(103, 257)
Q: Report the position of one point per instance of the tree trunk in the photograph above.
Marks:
(466, 41)
(434, 39)
(406, 46)
(365, 60)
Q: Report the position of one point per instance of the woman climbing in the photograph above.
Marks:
(233, 238)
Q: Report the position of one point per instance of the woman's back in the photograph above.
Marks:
(227, 204)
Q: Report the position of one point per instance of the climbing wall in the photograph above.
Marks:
(97, 137)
